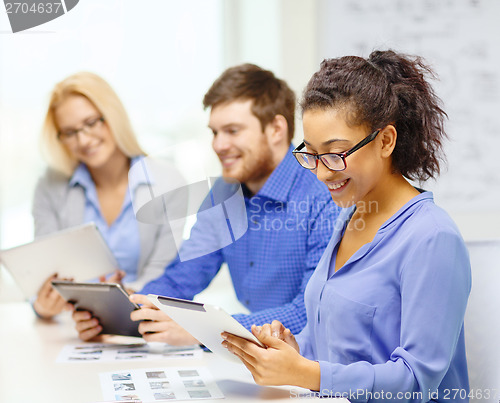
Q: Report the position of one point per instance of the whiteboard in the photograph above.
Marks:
(460, 39)
(482, 327)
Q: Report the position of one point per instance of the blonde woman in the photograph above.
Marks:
(90, 146)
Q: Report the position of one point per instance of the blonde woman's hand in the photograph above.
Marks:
(49, 302)
(115, 278)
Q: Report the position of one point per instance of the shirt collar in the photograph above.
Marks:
(424, 196)
(82, 177)
(279, 183)
(347, 213)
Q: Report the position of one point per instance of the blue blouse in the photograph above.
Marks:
(389, 323)
(122, 236)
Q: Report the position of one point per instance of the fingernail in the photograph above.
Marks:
(275, 334)
(224, 336)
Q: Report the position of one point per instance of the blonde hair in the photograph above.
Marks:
(104, 98)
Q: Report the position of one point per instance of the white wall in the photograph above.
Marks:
(159, 55)
(459, 39)
(279, 35)
(162, 55)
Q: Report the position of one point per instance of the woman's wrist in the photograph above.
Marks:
(39, 312)
(309, 374)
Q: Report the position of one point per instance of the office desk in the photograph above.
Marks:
(29, 373)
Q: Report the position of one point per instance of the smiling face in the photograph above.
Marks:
(326, 131)
(94, 148)
(241, 144)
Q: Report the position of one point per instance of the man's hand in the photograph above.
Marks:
(157, 326)
(87, 326)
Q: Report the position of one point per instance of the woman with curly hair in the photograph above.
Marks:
(386, 303)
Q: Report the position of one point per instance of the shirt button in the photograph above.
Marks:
(251, 264)
(247, 302)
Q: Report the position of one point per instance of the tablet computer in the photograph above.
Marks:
(108, 302)
(80, 253)
(204, 321)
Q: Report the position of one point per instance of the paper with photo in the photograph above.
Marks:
(154, 384)
(102, 352)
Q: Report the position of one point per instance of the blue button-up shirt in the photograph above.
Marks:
(122, 236)
(290, 221)
(389, 322)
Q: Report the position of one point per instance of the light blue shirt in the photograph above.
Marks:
(122, 236)
(389, 322)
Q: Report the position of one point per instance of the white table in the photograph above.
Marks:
(29, 373)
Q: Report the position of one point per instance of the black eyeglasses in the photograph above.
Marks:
(88, 127)
(333, 161)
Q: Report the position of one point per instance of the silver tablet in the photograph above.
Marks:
(108, 302)
(79, 253)
(204, 321)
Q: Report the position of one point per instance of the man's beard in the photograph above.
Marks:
(256, 167)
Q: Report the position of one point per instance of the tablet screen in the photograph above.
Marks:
(79, 253)
(107, 302)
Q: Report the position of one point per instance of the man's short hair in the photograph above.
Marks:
(270, 96)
